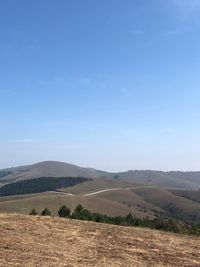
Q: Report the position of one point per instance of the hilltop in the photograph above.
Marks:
(173, 179)
(50, 241)
(46, 169)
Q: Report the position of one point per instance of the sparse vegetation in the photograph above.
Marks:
(51, 241)
(160, 223)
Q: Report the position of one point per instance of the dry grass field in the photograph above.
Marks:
(53, 201)
(50, 241)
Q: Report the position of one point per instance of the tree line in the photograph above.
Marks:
(39, 185)
(159, 223)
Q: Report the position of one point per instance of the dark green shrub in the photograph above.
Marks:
(81, 213)
(64, 212)
(79, 208)
(46, 212)
(33, 212)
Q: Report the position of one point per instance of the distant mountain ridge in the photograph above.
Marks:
(173, 179)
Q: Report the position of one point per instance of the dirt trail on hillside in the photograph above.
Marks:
(106, 190)
(44, 241)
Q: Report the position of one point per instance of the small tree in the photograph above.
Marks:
(46, 212)
(78, 212)
(129, 219)
(33, 212)
(79, 208)
(64, 212)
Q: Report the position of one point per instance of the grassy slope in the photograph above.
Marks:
(47, 169)
(162, 198)
(36, 241)
(140, 201)
(54, 201)
(97, 185)
(142, 198)
(130, 199)
(192, 195)
(189, 180)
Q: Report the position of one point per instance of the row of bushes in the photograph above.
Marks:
(161, 223)
(45, 212)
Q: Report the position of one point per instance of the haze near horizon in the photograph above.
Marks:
(112, 85)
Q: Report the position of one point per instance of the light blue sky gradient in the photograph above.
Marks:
(109, 84)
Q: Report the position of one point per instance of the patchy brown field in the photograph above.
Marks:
(50, 241)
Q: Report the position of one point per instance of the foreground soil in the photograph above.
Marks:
(50, 241)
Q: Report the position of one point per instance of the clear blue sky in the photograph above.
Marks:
(109, 84)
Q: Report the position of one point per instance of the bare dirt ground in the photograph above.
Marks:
(50, 241)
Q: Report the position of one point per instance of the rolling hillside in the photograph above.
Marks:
(28, 187)
(108, 197)
(45, 169)
(183, 180)
(45, 241)
(179, 180)
(192, 195)
(53, 201)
